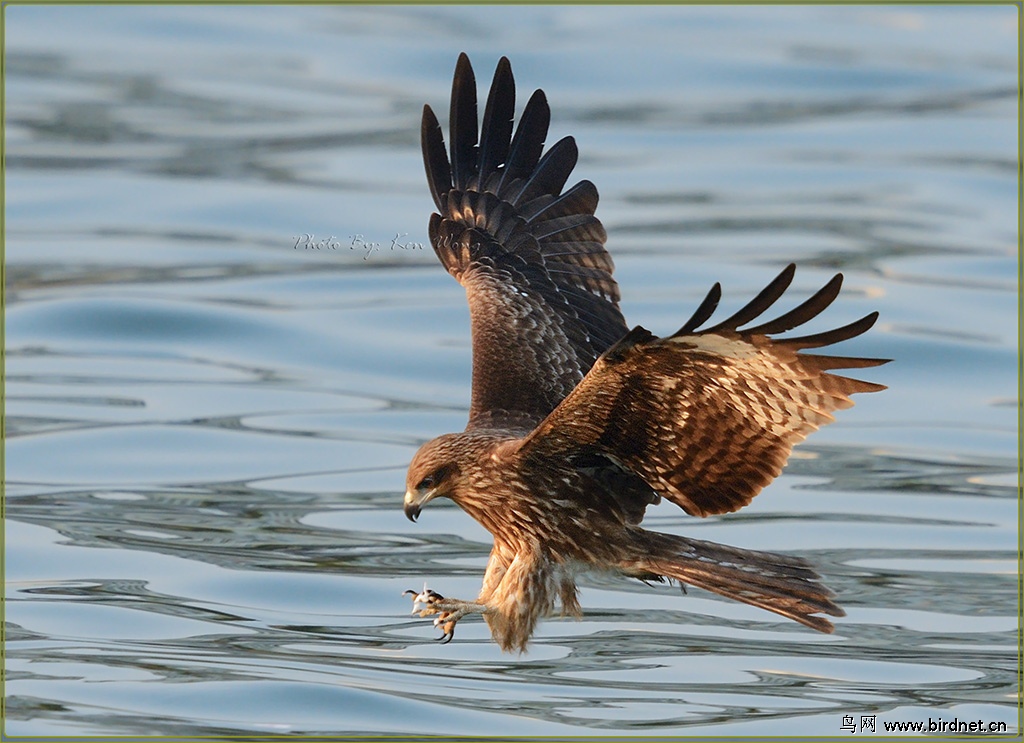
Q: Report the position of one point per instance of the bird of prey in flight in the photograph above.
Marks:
(578, 423)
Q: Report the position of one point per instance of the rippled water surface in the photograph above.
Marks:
(208, 420)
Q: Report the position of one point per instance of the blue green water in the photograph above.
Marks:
(208, 427)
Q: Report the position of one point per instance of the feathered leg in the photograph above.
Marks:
(518, 590)
(449, 611)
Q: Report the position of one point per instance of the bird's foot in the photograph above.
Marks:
(449, 611)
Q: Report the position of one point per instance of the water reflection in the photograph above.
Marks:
(614, 660)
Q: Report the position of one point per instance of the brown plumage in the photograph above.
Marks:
(577, 423)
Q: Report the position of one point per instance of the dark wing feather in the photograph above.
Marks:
(704, 311)
(707, 418)
(759, 304)
(462, 124)
(435, 159)
(543, 303)
(496, 133)
(550, 174)
(527, 145)
(806, 311)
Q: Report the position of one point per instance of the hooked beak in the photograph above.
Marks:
(414, 503)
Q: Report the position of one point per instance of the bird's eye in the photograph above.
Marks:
(427, 483)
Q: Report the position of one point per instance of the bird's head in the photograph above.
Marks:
(433, 472)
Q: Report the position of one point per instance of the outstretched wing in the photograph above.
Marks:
(543, 303)
(707, 418)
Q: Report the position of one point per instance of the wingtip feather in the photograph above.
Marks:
(764, 299)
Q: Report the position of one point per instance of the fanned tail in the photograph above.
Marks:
(782, 584)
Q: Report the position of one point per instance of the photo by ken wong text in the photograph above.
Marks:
(357, 242)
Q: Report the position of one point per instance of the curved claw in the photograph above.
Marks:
(447, 611)
(447, 627)
(446, 624)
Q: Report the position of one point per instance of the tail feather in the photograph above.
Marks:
(782, 584)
